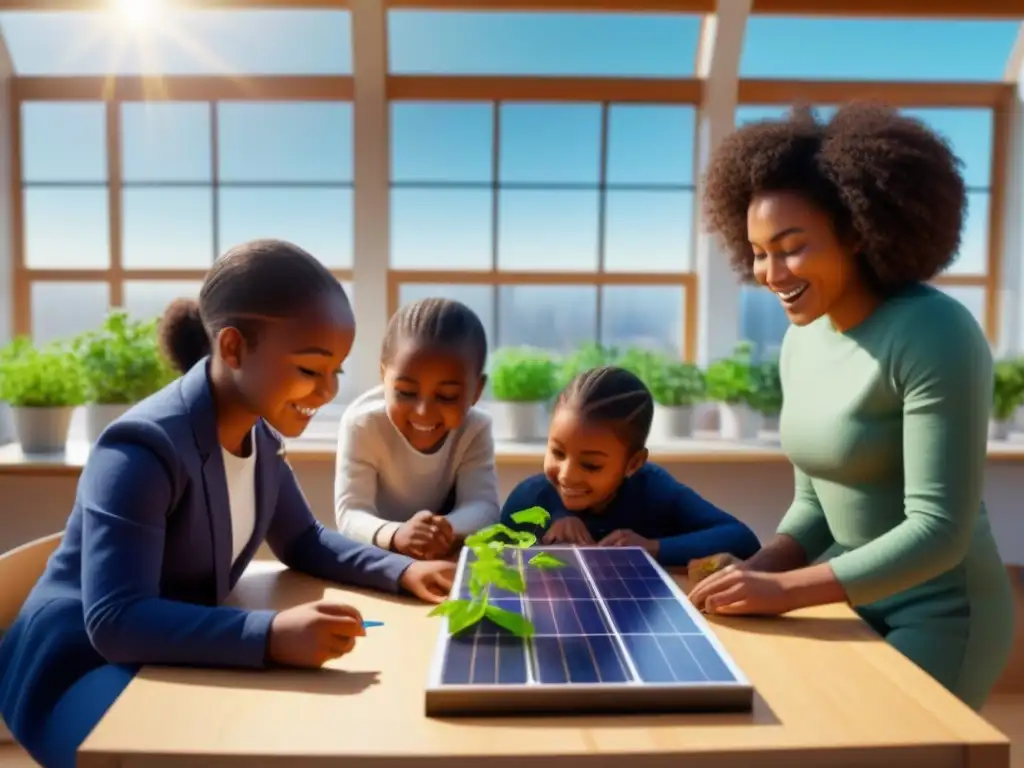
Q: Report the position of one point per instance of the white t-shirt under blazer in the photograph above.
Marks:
(240, 474)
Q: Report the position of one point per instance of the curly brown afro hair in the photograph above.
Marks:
(889, 183)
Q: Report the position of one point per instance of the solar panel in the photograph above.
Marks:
(612, 632)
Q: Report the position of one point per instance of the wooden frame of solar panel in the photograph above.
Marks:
(587, 653)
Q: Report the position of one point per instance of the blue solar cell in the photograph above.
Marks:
(477, 660)
(579, 659)
(616, 588)
(676, 659)
(651, 617)
(567, 617)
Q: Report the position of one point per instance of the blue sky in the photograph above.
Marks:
(286, 169)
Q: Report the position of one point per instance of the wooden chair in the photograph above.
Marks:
(20, 569)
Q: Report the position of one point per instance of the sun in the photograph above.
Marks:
(138, 13)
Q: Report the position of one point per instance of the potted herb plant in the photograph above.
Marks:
(523, 381)
(586, 356)
(676, 387)
(43, 385)
(121, 365)
(729, 383)
(766, 397)
(1007, 397)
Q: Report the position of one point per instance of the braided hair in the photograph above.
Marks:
(615, 397)
(441, 323)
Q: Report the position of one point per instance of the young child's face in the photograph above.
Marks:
(429, 392)
(292, 370)
(586, 461)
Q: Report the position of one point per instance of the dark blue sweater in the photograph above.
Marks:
(652, 504)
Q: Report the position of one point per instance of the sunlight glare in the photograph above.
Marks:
(138, 13)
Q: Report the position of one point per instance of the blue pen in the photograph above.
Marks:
(368, 624)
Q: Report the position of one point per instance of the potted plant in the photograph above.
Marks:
(766, 397)
(1007, 397)
(522, 380)
(676, 387)
(586, 356)
(43, 385)
(121, 365)
(729, 383)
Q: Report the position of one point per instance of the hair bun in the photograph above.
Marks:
(182, 334)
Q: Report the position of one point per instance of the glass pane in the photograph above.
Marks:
(479, 298)
(547, 230)
(971, 296)
(647, 316)
(170, 228)
(973, 258)
(876, 49)
(441, 228)
(551, 144)
(67, 229)
(751, 114)
(442, 142)
(650, 144)
(285, 142)
(548, 43)
(147, 299)
(165, 141)
(648, 231)
(763, 321)
(64, 141)
(181, 42)
(318, 220)
(64, 310)
(969, 131)
(555, 317)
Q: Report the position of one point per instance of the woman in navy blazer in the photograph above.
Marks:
(158, 536)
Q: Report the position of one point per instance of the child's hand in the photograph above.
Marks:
(312, 634)
(424, 535)
(568, 530)
(430, 581)
(627, 538)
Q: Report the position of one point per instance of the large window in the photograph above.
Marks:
(187, 180)
(554, 221)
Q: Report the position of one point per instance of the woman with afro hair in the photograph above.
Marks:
(887, 385)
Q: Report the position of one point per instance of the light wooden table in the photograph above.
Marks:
(829, 694)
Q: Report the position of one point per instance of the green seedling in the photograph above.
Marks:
(490, 569)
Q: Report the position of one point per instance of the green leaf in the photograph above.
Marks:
(531, 516)
(448, 607)
(544, 561)
(523, 375)
(466, 617)
(500, 575)
(516, 624)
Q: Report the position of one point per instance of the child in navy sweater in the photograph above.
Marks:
(600, 489)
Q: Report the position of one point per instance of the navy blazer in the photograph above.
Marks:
(145, 563)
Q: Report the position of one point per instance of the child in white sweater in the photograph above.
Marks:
(415, 469)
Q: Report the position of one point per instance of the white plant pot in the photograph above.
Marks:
(769, 428)
(737, 421)
(42, 430)
(1018, 421)
(7, 434)
(98, 417)
(671, 422)
(519, 422)
(999, 430)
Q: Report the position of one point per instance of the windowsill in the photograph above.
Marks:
(702, 449)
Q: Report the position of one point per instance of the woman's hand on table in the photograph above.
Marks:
(736, 590)
(429, 580)
(312, 634)
(568, 530)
